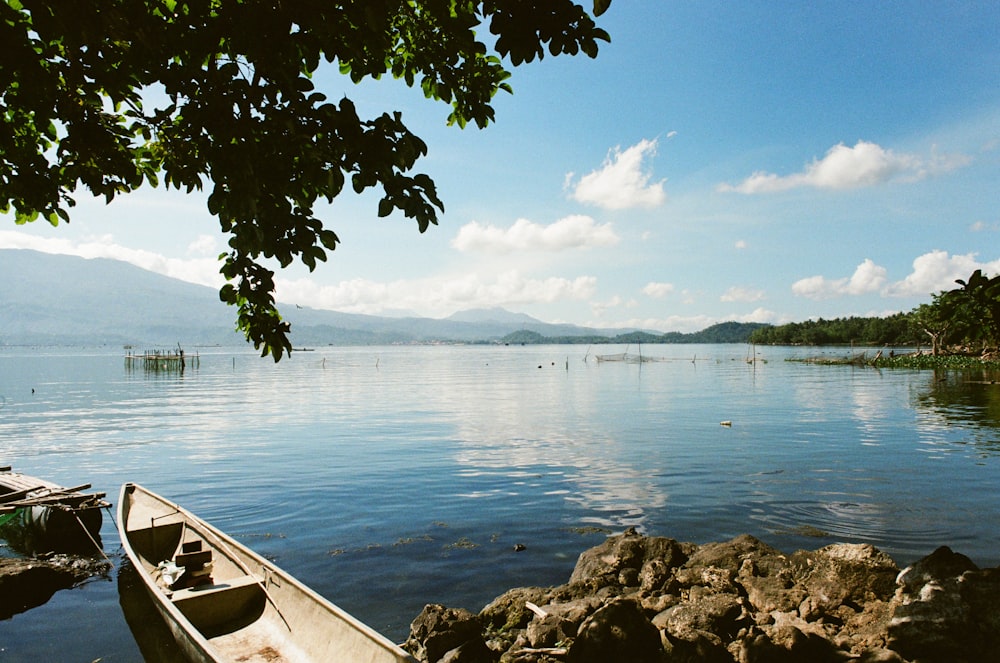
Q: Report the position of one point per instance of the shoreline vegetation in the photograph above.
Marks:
(952, 324)
(914, 360)
(878, 336)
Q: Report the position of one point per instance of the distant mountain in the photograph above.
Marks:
(65, 300)
(495, 314)
(724, 332)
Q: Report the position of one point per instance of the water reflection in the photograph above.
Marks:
(961, 409)
(583, 472)
(151, 633)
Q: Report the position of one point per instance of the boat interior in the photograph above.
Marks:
(214, 592)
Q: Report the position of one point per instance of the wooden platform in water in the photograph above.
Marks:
(20, 490)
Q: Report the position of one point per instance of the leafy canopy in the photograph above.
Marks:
(240, 115)
(974, 308)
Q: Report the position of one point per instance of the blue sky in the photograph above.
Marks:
(755, 161)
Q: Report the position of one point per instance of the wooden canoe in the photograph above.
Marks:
(231, 604)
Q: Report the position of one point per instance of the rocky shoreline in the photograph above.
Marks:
(643, 599)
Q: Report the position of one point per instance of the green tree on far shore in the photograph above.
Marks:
(974, 309)
(930, 319)
(965, 317)
(106, 95)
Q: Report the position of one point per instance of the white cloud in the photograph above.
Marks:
(740, 244)
(759, 315)
(687, 324)
(982, 226)
(741, 294)
(867, 278)
(678, 323)
(932, 272)
(843, 167)
(204, 245)
(437, 296)
(658, 290)
(203, 271)
(937, 271)
(571, 232)
(598, 309)
(621, 182)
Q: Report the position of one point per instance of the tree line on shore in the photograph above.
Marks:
(965, 319)
(895, 330)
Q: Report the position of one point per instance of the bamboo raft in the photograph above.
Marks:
(58, 517)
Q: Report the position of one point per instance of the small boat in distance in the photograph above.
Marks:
(224, 602)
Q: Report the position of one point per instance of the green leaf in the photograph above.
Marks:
(385, 207)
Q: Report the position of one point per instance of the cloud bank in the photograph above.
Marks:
(937, 271)
(440, 295)
(201, 267)
(932, 272)
(622, 182)
(741, 294)
(658, 290)
(866, 164)
(571, 232)
(867, 278)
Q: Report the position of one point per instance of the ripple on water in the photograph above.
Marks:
(902, 532)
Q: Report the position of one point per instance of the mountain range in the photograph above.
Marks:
(66, 300)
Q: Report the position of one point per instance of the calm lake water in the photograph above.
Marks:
(391, 477)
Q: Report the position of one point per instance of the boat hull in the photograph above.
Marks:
(241, 606)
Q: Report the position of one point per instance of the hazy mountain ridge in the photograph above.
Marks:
(66, 300)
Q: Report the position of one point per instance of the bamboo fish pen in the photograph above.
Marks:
(156, 361)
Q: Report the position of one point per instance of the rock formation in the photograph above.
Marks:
(641, 599)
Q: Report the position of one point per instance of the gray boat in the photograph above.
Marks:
(224, 602)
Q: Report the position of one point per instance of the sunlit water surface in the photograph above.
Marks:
(391, 477)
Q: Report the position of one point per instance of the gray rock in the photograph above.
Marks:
(508, 610)
(619, 631)
(946, 609)
(438, 630)
(844, 573)
(603, 564)
(721, 614)
(637, 598)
